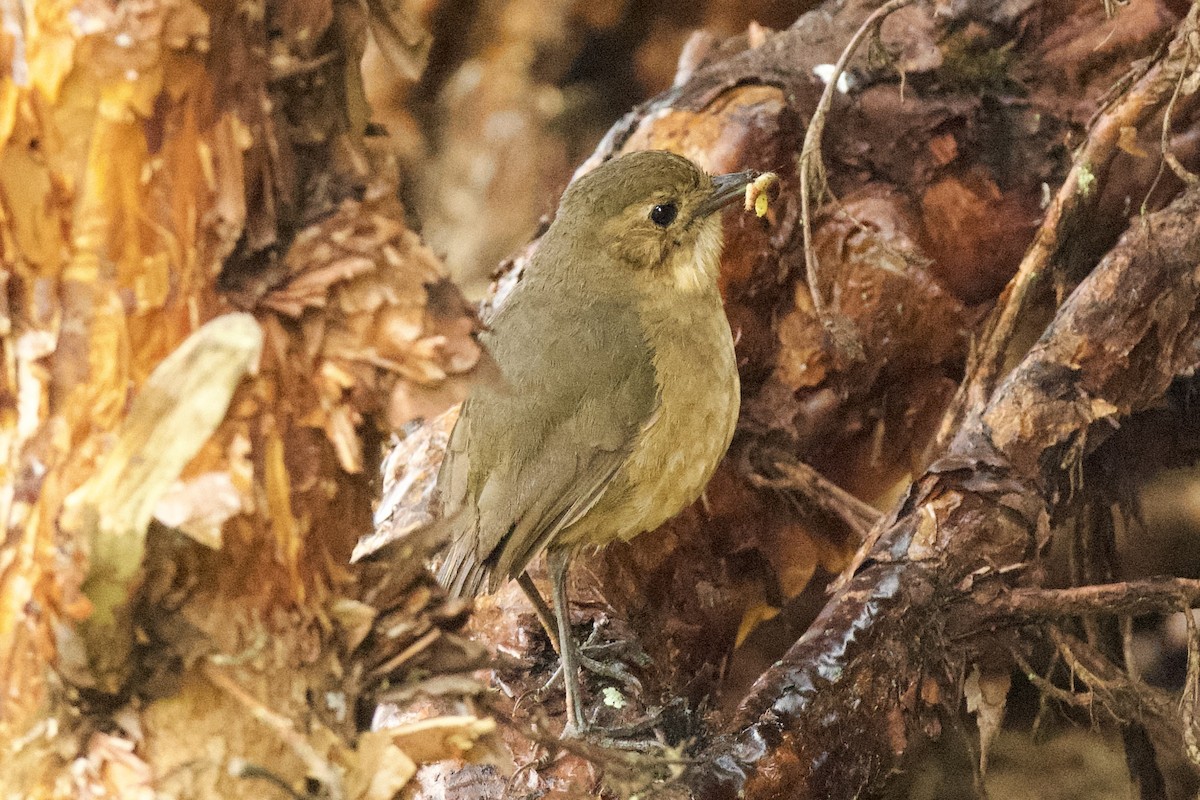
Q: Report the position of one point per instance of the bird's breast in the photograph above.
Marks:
(672, 460)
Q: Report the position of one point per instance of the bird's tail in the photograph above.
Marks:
(462, 574)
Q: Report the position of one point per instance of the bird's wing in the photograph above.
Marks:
(529, 460)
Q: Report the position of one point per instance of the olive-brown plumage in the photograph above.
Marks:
(619, 389)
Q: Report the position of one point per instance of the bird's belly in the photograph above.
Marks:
(671, 463)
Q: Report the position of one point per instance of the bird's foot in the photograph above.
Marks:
(646, 734)
(633, 736)
(606, 660)
(576, 730)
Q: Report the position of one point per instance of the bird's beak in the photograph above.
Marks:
(726, 189)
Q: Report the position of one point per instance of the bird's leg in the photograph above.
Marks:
(596, 666)
(556, 561)
(541, 608)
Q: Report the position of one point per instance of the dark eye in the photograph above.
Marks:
(663, 214)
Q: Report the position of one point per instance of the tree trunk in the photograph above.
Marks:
(213, 308)
(216, 312)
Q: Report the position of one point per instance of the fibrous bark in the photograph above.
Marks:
(214, 308)
(212, 311)
(811, 727)
(937, 185)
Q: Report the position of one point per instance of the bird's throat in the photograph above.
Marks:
(692, 268)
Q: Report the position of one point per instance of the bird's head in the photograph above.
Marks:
(653, 214)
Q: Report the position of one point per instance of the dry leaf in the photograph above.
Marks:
(172, 416)
(199, 507)
(440, 738)
(409, 477)
(986, 698)
(381, 770)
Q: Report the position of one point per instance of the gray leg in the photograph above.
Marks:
(596, 666)
(544, 614)
(556, 561)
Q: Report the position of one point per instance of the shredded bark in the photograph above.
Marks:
(983, 505)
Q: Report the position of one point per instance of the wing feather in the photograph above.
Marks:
(529, 460)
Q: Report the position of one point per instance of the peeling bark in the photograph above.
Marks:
(981, 510)
(214, 309)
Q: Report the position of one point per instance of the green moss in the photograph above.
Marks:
(1087, 179)
(971, 65)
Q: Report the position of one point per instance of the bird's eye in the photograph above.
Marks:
(663, 214)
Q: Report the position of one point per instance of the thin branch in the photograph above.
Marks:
(1125, 698)
(1131, 665)
(1183, 173)
(635, 765)
(1139, 709)
(1125, 598)
(1047, 687)
(810, 154)
(1043, 705)
(1074, 198)
(798, 477)
(318, 767)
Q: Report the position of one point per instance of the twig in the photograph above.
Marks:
(1183, 173)
(1131, 665)
(1137, 707)
(796, 476)
(1036, 726)
(1191, 691)
(1087, 672)
(1126, 699)
(1134, 705)
(318, 767)
(409, 652)
(1047, 687)
(1125, 598)
(1075, 195)
(810, 154)
(651, 763)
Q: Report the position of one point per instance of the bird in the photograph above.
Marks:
(618, 391)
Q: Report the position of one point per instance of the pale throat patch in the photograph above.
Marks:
(693, 268)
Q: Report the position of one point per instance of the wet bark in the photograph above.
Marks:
(930, 590)
(885, 661)
(215, 309)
